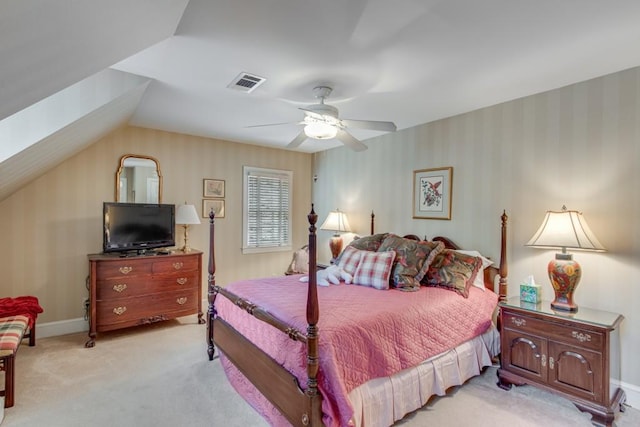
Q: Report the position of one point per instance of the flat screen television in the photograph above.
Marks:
(137, 227)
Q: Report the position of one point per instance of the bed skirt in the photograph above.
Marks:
(383, 401)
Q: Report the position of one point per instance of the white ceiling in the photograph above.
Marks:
(406, 61)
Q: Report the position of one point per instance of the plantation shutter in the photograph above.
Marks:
(267, 209)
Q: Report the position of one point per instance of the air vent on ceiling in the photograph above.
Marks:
(246, 82)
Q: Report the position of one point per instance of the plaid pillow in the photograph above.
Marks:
(374, 269)
(350, 259)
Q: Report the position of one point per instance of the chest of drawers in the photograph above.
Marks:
(132, 291)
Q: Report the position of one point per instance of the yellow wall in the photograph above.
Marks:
(49, 226)
(577, 146)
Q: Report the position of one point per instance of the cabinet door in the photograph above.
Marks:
(576, 370)
(524, 354)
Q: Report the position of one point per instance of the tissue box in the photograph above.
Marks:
(530, 293)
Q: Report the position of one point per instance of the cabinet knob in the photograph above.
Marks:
(119, 287)
(181, 280)
(518, 321)
(581, 336)
(119, 310)
(178, 265)
(126, 269)
(551, 363)
(181, 300)
(544, 360)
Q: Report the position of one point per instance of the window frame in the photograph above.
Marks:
(247, 172)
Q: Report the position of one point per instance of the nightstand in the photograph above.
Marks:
(573, 354)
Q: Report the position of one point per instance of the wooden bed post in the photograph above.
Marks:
(313, 312)
(211, 291)
(373, 216)
(502, 287)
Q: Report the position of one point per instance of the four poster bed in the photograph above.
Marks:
(377, 353)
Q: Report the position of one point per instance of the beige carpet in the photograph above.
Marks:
(160, 376)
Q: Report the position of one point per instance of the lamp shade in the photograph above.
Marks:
(336, 221)
(565, 229)
(187, 214)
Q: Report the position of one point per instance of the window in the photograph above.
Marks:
(267, 210)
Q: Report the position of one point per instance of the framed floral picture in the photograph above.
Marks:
(432, 193)
(213, 188)
(216, 204)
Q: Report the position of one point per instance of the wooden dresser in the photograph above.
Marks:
(138, 290)
(576, 355)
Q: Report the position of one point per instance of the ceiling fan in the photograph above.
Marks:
(321, 121)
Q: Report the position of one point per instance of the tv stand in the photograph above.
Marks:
(141, 289)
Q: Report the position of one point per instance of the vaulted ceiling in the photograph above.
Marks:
(171, 62)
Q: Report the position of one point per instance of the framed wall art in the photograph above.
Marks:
(213, 188)
(432, 193)
(216, 204)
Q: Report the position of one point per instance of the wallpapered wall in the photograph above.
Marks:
(49, 226)
(577, 146)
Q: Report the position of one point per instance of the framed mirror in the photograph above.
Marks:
(138, 180)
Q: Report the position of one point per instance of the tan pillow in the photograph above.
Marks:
(300, 261)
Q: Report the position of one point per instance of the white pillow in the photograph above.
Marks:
(486, 262)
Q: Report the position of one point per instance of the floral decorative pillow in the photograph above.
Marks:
(486, 262)
(374, 269)
(350, 259)
(454, 271)
(369, 243)
(412, 260)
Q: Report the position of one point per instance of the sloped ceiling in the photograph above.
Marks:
(55, 58)
(406, 61)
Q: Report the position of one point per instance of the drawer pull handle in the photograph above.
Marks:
(181, 280)
(119, 287)
(181, 300)
(518, 322)
(551, 363)
(580, 336)
(126, 270)
(544, 360)
(119, 310)
(178, 265)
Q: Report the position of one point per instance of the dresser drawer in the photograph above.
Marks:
(137, 285)
(157, 307)
(123, 268)
(565, 333)
(176, 264)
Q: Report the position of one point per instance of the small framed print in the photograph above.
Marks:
(432, 193)
(216, 204)
(213, 188)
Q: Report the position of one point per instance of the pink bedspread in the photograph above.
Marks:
(364, 333)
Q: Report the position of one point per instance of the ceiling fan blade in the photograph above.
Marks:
(370, 124)
(298, 140)
(348, 140)
(273, 124)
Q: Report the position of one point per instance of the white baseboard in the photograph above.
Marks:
(62, 327)
(633, 394)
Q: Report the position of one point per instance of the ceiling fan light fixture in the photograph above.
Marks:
(320, 130)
